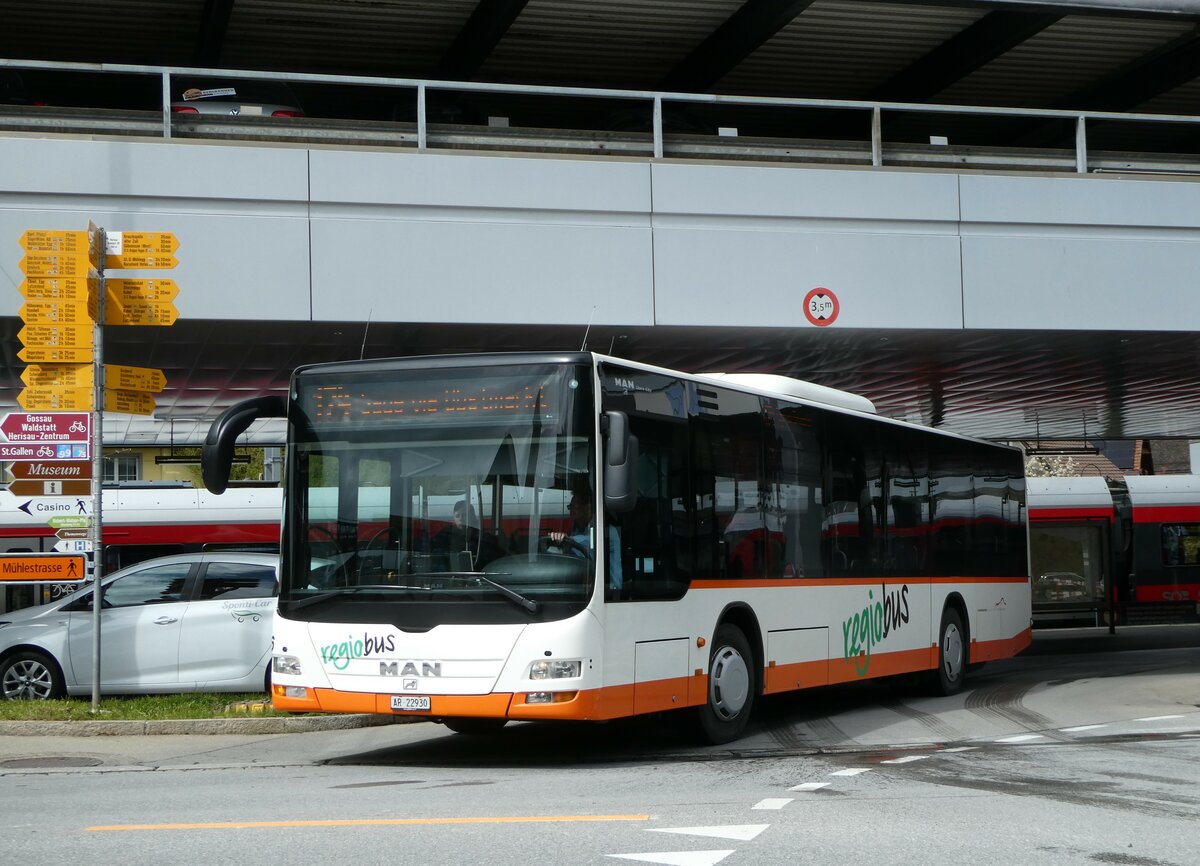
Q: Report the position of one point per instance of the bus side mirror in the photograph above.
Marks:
(216, 457)
(620, 464)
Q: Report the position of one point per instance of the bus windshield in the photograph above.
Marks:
(423, 497)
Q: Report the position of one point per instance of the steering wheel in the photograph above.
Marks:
(567, 543)
(365, 564)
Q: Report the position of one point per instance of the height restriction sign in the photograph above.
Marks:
(821, 307)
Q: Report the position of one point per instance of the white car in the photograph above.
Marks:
(193, 622)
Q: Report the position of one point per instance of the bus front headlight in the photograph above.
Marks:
(555, 669)
(289, 665)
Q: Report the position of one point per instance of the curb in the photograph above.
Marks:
(273, 725)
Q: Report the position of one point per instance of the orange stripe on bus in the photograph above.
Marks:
(628, 699)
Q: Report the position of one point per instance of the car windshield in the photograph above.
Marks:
(434, 496)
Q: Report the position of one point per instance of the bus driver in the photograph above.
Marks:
(578, 542)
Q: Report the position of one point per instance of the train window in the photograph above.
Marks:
(1181, 544)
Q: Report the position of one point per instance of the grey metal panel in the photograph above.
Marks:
(1055, 204)
(474, 181)
(1100, 281)
(719, 276)
(152, 171)
(233, 264)
(840, 194)
(397, 266)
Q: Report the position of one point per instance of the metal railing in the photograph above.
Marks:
(879, 150)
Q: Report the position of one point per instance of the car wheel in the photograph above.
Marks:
(952, 655)
(732, 687)
(475, 727)
(30, 676)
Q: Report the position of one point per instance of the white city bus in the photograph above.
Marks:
(752, 535)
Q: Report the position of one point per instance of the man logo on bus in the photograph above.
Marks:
(872, 625)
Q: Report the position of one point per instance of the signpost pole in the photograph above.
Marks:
(97, 530)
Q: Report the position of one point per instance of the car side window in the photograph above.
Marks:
(237, 580)
(157, 585)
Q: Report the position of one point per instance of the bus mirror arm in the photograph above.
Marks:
(216, 457)
(620, 463)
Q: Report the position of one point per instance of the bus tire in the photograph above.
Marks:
(475, 727)
(953, 655)
(732, 687)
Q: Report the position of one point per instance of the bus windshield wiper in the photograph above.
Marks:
(512, 595)
(352, 590)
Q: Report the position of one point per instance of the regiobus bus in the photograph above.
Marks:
(752, 535)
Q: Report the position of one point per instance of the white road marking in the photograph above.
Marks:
(960, 749)
(1147, 719)
(1022, 738)
(677, 858)
(810, 786)
(852, 771)
(1079, 728)
(907, 759)
(773, 803)
(740, 832)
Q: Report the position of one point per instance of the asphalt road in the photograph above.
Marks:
(1083, 751)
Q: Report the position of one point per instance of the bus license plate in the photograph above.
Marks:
(410, 703)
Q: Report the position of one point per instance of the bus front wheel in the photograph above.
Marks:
(731, 687)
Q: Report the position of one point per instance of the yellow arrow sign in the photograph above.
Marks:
(56, 399)
(58, 375)
(55, 265)
(48, 241)
(159, 261)
(56, 355)
(144, 379)
(59, 288)
(139, 243)
(55, 336)
(139, 313)
(129, 291)
(55, 312)
(129, 402)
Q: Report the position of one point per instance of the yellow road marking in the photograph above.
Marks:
(372, 822)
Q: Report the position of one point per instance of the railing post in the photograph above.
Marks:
(421, 131)
(658, 133)
(1081, 157)
(876, 137)
(166, 103)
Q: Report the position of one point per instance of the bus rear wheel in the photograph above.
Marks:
(475, 727)
(952, 655)
(731, 687)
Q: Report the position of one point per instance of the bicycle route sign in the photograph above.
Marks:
(46, 436)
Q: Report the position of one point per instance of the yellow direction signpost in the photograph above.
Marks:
(57, 355)
(55, 312)
(78, 289)
(55, 265)
(129, 291)
(49, 241)
(57, 375)
(56, 336)
(145, 379)
(140, 250)
(57, 399)
(140, 313)
(129, 402)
